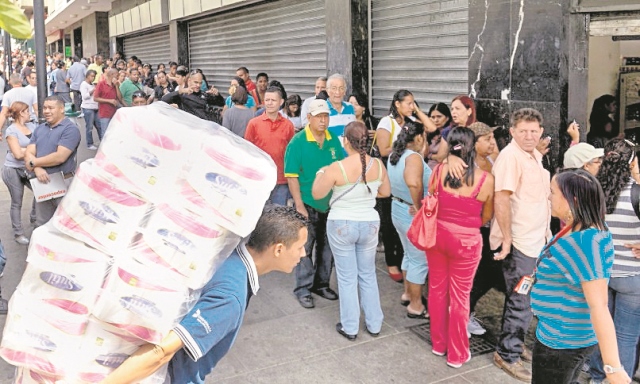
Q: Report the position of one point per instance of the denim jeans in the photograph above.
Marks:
(280, 195)
(624, 305)
(517, 313)
(310, 275)
(557, 366)
(354, 251)
(104, 124)
(16, 180)
(414, 260)
(91, 120)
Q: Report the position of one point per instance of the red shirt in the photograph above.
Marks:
(251, 88)
(105, 91)
(272, 137)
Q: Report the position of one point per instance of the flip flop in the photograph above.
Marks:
(422, 315)
(404, 303)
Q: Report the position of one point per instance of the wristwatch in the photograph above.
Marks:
(609, 369)
(31, 164)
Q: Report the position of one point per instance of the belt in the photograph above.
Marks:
(68, 175)
(401, 201)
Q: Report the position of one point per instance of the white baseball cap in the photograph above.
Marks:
(318, 106)
(580, 154)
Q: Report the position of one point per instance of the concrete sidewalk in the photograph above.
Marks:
(281, 342)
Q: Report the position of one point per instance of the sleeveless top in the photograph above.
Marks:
(396, 177)
(358, 203)
(463, 212)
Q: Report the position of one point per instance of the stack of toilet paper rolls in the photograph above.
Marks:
(142, 228)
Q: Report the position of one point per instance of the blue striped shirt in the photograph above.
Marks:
(339, 120)
(625, 228)
(564, 320)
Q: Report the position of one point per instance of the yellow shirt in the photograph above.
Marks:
(98, 69)
(522, 173)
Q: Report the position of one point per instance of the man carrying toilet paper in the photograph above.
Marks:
(206, 333)
(52, 149)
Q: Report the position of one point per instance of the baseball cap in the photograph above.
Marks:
(480, 129)
(317, 107)
(581, 153)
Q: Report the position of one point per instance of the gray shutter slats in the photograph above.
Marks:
(419, 45)
(152, 47)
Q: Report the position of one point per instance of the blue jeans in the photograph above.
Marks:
(414, 261)
(104, 124)
(354, 251)
(91, 120)
(624, 305)
(310, 275)
(280, 195)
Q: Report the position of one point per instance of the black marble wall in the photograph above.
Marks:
(517, 58)
(359, 46)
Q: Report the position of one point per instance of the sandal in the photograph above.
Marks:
(424, 315)
(404, 303)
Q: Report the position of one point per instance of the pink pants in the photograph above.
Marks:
(452, 266)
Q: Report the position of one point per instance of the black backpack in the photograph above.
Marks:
(635, 199)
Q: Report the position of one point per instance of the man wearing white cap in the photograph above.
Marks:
(311, 149)
(584, 156)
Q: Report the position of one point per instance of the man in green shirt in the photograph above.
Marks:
(307, 152)
(130, 85)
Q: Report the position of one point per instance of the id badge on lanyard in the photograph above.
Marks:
(526, 282)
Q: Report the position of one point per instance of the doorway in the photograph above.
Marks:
(77, 42)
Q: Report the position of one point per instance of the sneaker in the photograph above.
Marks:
(22, 240)
(474, 326)
(4, 306)
(456, 366)
(92, 148)
(516, 369)
(437, 353)
(526, 355)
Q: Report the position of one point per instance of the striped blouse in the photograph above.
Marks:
(625, 228)
(557, 298)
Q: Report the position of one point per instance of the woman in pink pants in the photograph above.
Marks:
(464, 206)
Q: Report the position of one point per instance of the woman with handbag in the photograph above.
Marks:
(464, 205)
(409, 176)
(352, 229)
(14, 173)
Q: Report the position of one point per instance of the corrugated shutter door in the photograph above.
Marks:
(419, 45)
(286, 39)
(152, 47)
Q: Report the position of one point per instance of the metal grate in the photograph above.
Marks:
(479, 345)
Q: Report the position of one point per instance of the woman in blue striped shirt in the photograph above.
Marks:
(569, 294)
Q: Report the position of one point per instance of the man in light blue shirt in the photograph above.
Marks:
(341, 113)
(75, 76)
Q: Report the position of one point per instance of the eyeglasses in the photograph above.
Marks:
(334, 89)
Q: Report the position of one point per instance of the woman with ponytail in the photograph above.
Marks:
(464, 205)
(352, 229)
(409, 176)
(14, 173)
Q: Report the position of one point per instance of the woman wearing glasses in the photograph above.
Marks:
(569, 294)
(615, 176)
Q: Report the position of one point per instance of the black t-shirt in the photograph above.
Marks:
(194, 103)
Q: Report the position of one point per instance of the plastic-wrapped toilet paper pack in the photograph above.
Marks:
(230, 179)
(27, 376)
(98, 213)
(142, 301)
(148, 150)
(187, 244)
(30, 340)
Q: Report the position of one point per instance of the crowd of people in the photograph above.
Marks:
(360, 181)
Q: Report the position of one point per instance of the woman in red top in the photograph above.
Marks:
(464, 206)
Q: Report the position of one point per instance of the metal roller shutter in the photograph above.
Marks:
(151, 47)
(286, 39)
(419, 45)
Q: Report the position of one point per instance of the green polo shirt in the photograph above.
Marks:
(127, 88)
(304, 158)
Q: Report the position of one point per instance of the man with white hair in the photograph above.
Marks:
(341, 112)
